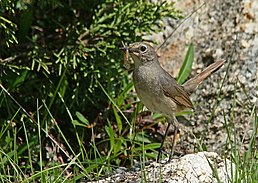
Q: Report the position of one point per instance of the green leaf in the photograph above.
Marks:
(77, 123)
(82, 118)
(141, 137)
(183, 113)
(118, 145)
(20, 79)
(151, 146)
(157, 116)
(122, 96)
(111, 134)
(118, 120)
(187, 65)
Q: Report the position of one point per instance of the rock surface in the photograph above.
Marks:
(195, 168)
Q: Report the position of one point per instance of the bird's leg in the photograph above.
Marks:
(162, 143)
(174, 138)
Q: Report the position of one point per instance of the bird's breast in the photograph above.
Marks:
(146, 81)
(150, 92)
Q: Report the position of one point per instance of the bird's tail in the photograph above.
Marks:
(192, 84)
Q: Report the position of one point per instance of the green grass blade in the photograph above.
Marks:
(187, 65)
(118, 121)
(114, 103)
(121, 97)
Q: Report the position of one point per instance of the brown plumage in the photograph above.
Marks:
(157, 89)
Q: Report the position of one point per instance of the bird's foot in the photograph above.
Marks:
(169, 155)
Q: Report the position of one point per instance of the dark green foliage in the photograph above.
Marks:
(7, 27)
(54, 56)
(76, 39)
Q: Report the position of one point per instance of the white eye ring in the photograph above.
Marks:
(143, 48)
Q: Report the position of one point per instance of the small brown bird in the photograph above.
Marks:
(158, 90)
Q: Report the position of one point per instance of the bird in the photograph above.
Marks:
(158, 90)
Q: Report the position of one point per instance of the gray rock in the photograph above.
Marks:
(203, 167)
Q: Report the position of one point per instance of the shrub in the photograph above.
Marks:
(54, 53)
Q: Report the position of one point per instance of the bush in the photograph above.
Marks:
(66, 46)
(54, 53)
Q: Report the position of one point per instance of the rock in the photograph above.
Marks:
(201, 167)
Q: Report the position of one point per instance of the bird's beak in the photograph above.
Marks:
(131, 50)
(124, 48)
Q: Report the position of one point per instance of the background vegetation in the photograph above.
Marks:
(63, 87)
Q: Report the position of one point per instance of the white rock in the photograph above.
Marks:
(194, 168)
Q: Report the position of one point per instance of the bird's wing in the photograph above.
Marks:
(174, 91)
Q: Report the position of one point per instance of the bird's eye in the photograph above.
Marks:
(143, 48)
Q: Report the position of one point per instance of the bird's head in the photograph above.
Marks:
(141, 53)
